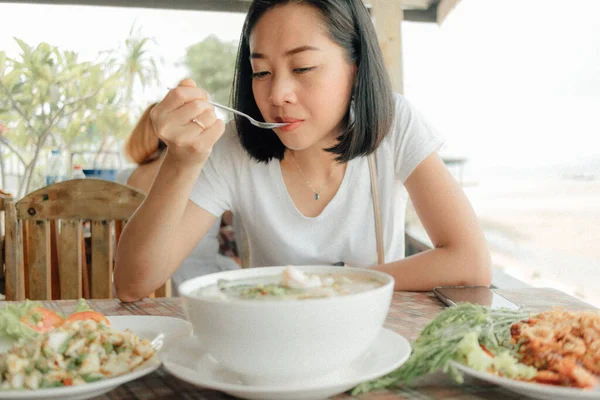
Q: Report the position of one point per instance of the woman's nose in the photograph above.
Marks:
(282, 92)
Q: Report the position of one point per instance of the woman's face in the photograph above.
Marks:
(300, 75)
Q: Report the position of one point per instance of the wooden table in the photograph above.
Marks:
(409, 313)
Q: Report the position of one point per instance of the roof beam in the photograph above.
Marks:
(444, 8)
(196, 5)
(410, 13)
(429, 15)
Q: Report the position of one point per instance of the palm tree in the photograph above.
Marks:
(139, 64)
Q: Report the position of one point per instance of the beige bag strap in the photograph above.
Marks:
(376, 209)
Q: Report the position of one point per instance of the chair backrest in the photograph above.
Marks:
(47, 240)
(4, 198)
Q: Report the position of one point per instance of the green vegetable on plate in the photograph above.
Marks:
(457, 334)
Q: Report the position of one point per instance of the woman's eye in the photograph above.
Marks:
(258, 75)
(303, 70)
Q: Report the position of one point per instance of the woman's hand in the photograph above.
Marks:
(189, 143)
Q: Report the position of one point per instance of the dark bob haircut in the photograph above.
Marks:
(371, 111)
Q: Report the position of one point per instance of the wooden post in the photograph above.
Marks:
(387, 17)
(444, 8)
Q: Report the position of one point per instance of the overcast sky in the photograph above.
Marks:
(506, 81)
(514, 81)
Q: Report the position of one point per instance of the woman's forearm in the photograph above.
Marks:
(145, 258)
(443, 266)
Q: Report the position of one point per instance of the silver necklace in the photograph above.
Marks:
(316, 192)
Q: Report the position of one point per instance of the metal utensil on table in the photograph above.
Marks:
(157, 342)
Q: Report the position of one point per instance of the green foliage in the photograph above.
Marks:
(48, 98)
(138, 63)
(211, 63)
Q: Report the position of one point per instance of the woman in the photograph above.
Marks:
(145, 149)
(303, 192)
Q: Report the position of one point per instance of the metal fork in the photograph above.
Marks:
(158, 341)
(265, 125)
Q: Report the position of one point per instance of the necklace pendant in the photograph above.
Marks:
(316, 196)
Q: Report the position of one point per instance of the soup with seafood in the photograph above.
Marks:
(292, 284)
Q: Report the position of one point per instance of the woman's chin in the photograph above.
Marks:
(295, 143)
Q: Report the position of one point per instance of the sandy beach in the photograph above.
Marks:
(543, 232)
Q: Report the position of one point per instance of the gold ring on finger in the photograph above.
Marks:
(199, 123)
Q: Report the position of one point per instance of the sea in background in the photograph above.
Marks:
(542, 222)
(518, 99)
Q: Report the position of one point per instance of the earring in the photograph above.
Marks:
(352, 111)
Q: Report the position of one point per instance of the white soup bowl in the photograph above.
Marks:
(286, 341)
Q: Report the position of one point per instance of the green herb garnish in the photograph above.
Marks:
(438, 343)
(91, 378)
(108, 348)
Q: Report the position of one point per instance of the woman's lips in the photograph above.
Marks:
(293, 124)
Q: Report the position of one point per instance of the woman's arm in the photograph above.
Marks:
(161, 233)
(167, 226)
(460, 255)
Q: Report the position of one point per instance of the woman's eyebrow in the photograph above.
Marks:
(289, 52)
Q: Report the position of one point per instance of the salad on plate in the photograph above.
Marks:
(50, 350)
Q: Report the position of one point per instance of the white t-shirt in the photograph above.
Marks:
(278, 234)
(203, 259)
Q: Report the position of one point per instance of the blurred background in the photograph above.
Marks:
(513, 85)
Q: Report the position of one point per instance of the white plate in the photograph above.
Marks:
(144, 326)
(533, 389)
(187, 361)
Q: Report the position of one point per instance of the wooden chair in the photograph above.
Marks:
(45, 245)
(4, 198)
